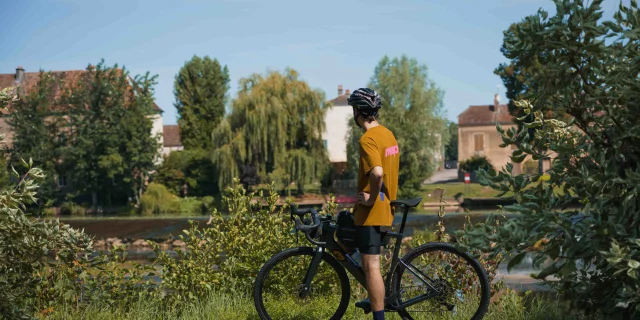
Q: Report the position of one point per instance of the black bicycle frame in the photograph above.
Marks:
(333, 245)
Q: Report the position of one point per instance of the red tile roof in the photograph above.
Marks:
(485, 115)
(171, 136)
(30, 80)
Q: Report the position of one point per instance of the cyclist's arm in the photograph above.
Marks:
(372, 165)
(375, 183)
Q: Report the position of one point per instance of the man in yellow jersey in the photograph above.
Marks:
(377, 187)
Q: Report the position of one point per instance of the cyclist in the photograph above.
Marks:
(377, 187)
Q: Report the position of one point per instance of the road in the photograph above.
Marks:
(442, 176)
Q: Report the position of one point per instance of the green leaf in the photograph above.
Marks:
(516, 260)
(634, 264)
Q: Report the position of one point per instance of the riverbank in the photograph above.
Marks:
(165, 230)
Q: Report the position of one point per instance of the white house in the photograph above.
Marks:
(336, 129)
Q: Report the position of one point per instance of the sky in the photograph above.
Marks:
(329, 43)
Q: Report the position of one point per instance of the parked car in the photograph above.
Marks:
(451, 164)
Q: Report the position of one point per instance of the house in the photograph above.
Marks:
(477, 134)
(26, 81)
(337, 128)
(171, 139)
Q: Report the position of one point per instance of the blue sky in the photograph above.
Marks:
(327, 42)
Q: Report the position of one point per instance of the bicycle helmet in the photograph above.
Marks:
(366, 101)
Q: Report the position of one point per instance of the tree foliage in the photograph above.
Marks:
(110, 149)
(201, 89)
(593, 251)
(475, 163)
(273, 132)
(36, 127)
(451, 148)
(192, 169)
(412, 110)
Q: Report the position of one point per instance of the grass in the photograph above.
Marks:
(473, 190)
(224, 306)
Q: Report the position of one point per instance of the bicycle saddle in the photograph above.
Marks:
(407, 202)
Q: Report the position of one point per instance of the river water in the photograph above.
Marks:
(160, 228)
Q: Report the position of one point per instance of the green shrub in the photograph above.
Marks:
(157, 199)
(590, 75)
(475, 163)
(26, 244)
(190, 206)
(72, 208)
(192, 168)
(228, 254)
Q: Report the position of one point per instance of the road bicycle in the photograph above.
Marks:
(326, 266)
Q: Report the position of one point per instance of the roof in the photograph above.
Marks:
(484, 115)
(30, 80)
(171, 136)
(340, 101)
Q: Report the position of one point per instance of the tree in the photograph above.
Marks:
(201, 94)
(190, 168)
(273, 132)
(523, 77)
(594, 250)
(111, 149)
(412, 109)
(37, 129)
(451, 149)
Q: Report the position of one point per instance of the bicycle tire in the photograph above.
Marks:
(279, 257)
(447, 247)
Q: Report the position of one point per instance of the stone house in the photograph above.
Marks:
(477, 135)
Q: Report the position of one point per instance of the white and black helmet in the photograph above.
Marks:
(366, 101)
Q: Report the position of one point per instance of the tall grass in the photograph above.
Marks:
(510, 306)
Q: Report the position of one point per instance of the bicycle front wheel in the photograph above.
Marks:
(445, 282)
(279, 291)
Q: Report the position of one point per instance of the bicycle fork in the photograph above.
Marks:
(311, 272)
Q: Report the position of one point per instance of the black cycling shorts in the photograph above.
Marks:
(368, 239)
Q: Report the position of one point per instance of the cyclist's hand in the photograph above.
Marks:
(365, 199)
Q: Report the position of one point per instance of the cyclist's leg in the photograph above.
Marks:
(369, 242)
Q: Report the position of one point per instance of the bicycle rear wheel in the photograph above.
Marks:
(279, 294)
(461, 285)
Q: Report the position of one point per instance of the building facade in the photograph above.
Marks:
(337, 129)
(477, 134)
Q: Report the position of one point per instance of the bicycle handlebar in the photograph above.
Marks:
(307, 229)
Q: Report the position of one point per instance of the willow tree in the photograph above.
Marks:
(412, 110)
(274, 130)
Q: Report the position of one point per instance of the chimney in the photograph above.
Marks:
(339, 90)
(348, 92)
(19, 74)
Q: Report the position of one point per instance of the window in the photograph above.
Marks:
(478, 142)
(62, 181)
(325, 143)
